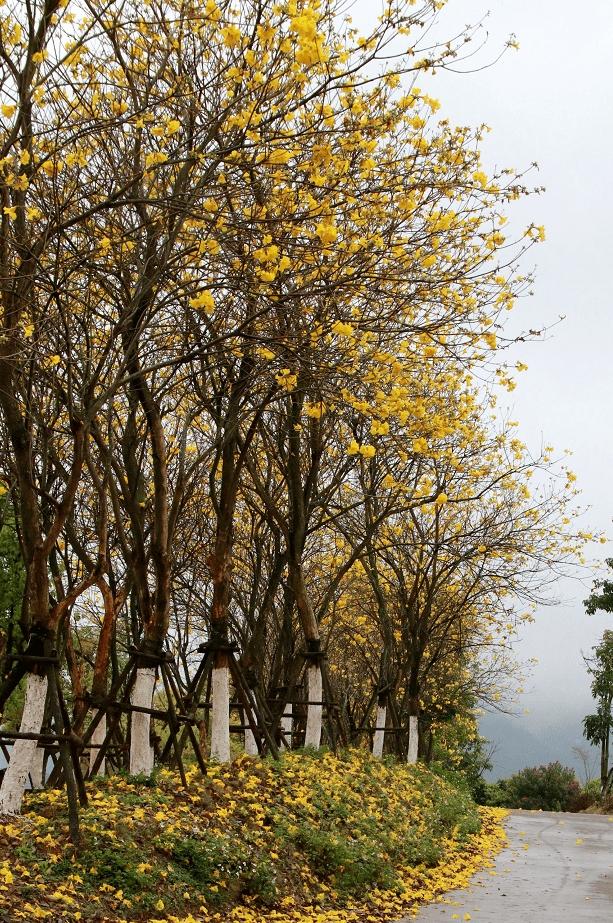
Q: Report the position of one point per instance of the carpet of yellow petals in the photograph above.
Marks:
(309, 838)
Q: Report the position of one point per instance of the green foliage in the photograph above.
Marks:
(451, 775)
(14, 706)
(12, 584)
(548, 788)
(493, 794)
(119, 868)
(597, 728)
(353, 847)
(109, 868)
(602, 600)
(470, 756)
(600, 666)
(593, 789)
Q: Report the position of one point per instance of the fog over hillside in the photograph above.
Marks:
(557, 695)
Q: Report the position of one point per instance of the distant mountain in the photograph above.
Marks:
(522, 743)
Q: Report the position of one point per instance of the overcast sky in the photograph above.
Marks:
(552, 102)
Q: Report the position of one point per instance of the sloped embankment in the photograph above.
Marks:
(307, 838)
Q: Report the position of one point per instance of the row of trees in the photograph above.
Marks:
(252, 295)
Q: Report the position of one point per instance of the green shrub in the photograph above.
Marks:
(548, 788)
(493, 794)
(593, 789)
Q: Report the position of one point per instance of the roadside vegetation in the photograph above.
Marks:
(547, 788)
(310, 836)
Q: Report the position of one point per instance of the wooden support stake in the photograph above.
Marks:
(172, 724)
(188, 729)
(65, 760)
(244, 693)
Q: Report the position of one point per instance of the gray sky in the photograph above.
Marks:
(551, 102)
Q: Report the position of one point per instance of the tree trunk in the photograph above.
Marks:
(377, 747)
(101, 665)
(413, 739)
(312, 738)
(314, 677)
(251, 747)
(220, 565)
(23, 753)
(141, 751)
(220, 717)
(156, 616)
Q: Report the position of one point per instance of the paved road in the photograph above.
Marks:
(564, 876)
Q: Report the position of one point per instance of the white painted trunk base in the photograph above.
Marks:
(413, 739)
(251, 747)
(312, 738)
(96, 741)
(141, 751)
(286, 725)
(24, 751)
(36, 769)
(377, 745)
(220, 714)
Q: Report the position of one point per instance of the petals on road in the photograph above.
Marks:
(548, 872)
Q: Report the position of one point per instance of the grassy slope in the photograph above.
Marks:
(323, 838)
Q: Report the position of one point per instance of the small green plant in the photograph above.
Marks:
(207, 860)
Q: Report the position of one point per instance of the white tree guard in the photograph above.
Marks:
(96, 741)
(312, 738)
(220, 714)
(22, 755)
(413, 740)
(141, 751)
(251, 748)
(36, 769)
(286, 725)
(377, 744)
